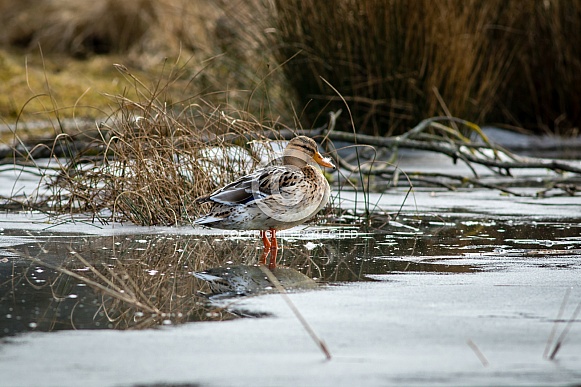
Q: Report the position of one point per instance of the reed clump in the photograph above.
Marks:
(393, 62)
(396, 62)
(151, 158)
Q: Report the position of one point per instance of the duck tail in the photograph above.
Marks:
(207, 220)
(202, 199)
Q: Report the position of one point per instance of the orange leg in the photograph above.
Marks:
(273, 249)
(267, 247)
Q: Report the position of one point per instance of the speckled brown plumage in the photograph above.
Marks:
(273, 198)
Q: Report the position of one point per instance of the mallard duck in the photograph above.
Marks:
(273, 198)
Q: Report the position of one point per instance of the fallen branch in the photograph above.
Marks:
(457, 149)
(520, 163)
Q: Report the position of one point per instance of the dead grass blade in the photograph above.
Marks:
(560, 340)
(320, 343)
(478, 352)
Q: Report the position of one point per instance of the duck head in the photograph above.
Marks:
(303, 150)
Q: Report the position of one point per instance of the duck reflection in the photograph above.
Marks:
(246, 280)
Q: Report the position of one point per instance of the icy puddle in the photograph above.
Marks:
(53, 281)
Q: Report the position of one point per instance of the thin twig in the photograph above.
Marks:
(478, 352)
(554, 330)
(272, 278)
(566, 330)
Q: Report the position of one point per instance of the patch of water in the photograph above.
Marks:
(53, 281)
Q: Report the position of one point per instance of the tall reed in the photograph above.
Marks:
(154, 158)
(398, 62)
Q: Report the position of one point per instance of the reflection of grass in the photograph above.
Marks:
(157, 278)
(143, 281)
(138, 281)
(146, 281)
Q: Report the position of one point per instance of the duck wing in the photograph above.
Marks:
(257, 185)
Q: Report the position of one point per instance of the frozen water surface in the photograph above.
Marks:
(445, 300)
(463, 288)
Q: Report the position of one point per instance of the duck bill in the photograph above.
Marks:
(323, 161)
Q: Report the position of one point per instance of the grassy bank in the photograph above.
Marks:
(60, 58)
(394, 63)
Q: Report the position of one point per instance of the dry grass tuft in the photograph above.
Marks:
(155, 158)
(156, 283)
